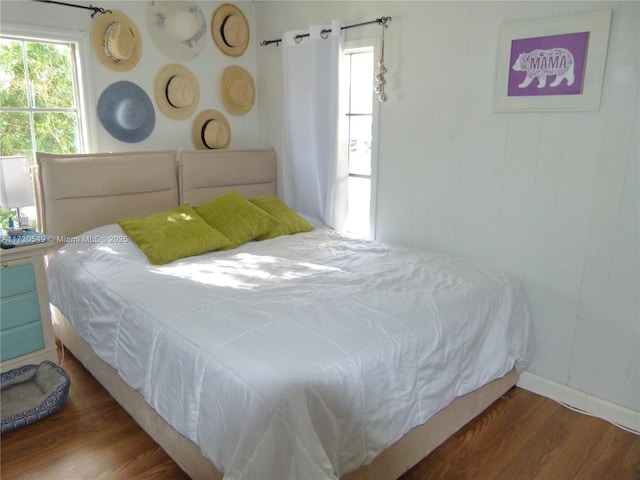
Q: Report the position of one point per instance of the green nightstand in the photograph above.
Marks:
(26, 333)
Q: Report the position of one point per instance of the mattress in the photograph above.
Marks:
(303, 356)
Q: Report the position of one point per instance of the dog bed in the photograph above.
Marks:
(31, 393)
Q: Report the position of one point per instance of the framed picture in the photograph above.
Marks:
(554, 65)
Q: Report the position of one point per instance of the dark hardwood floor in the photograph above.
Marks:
(521, 436)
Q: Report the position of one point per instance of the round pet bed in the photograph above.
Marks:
(31, 393)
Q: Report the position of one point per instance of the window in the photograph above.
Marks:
(40, 107)
(38, 99)
(360, 111)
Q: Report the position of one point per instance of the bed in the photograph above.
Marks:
(312, 355)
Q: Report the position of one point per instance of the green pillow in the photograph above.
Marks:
(168, 236)
(290, 221)
(236, 217)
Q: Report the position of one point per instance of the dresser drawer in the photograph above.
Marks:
(17, 280)
(21, 340)
(19, 310)
(26, 333)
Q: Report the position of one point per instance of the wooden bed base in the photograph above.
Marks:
(390, 464)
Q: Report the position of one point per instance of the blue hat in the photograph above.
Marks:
(126, 112)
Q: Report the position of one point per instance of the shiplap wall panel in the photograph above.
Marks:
(623, 289)
(543, 288)
(483, 142)
(570, 227)
(401, 150)
(437, 181)
(422, 128)
(618, 373)
(614, 156)
(518, 190)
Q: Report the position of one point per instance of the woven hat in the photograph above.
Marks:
(177, 91)
(178, 28)
(238, 90)
(126, 112)
(211, 131)
(116, 41)
(230, 30)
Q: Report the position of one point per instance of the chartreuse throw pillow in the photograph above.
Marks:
(290, 221)
(236, 217)
(168, 236)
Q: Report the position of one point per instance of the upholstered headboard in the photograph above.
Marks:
(75, 193)
(206, 174)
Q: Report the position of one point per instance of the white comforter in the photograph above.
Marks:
(300, 357)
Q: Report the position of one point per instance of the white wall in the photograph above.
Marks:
(550, 197)
(208, 68)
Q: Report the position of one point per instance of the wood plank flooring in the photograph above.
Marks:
(521, 436)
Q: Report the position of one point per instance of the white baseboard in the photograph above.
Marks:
(589, 404)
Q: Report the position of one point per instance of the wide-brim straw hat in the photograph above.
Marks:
(238, 90)
(211, 131)
(177, 91)
(126, 112)
(116, 41)
(178, 28)
(230, 30)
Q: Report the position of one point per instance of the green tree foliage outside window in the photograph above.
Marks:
(38, 104)
(37, 98)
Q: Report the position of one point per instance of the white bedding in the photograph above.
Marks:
(300, 357)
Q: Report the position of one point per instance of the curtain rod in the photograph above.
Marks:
(90, 7)
(380, 21)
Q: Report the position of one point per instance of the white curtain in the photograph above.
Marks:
(314, 173)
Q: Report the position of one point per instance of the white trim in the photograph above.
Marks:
(616, 414)
(84, 87)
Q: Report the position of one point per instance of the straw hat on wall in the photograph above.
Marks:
(238, 90)
(116, 41)
(230, 30)
(178, 28)
(177, 91)
(211, 130)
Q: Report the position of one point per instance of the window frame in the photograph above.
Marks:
(366, 44)
(82, 41)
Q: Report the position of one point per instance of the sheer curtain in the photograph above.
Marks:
(315, 174)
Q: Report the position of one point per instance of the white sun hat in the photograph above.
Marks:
(178, 28)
